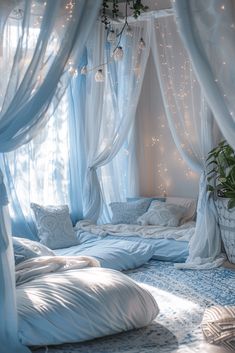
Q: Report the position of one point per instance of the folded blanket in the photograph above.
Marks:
(32, 268)
(183, 232)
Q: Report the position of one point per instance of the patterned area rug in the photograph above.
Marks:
(182, 296)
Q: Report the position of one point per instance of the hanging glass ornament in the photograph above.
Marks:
(142, 44)
(118, 54)
(111, 38)
(99, 76)
(129, 31)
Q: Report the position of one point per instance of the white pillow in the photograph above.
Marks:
(79, 305)
(25, 249)
(189, 204)
(162, 214)
(54, 226)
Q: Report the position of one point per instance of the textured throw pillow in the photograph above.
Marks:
(154, 198)
(218, 325)
(128, 212)
(54, 226)
(25, 249)
(190, 207)
(162, 214)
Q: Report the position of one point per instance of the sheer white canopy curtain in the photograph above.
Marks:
(47, 37)
(207, 29)
(193, 129)
(111, 106)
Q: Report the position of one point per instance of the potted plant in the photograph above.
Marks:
(221, 181)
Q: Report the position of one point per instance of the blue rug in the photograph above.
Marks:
(182, 296)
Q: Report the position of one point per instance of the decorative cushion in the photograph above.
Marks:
(80, 305)
(25, 249)
(190, 207)
(162, 214)
(118, 254)
(54, 226)
(218, 326)
(154, 198)
(128, 212)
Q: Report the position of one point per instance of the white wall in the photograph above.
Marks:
(160, 167)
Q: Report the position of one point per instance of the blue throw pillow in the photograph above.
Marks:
(128, 212)
(25, 249)
(114, 252)
(54, 226)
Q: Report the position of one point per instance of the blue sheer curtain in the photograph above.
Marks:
(194, 132)
(110, 111)
(34, 74)
(77, 157)
(39, 171)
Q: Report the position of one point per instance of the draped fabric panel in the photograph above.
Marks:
(208, 31)
(193, 129)
(38, 172)
(34, 74)
(111, 106)
(76, 126)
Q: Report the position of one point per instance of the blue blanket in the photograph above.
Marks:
(123, 253)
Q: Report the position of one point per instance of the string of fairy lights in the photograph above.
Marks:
(113, 37)
(178, 85)
(163, 172)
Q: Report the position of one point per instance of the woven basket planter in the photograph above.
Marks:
(227, 227)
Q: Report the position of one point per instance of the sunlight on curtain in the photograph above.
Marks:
(39, 172)
(110, 114)
(30, 80)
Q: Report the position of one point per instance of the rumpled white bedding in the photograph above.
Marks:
(182, 233)
(57, 303)
(39, 266)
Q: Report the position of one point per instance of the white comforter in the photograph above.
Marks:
(39, 266)
(183, 232)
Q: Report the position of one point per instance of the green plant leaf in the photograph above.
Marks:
(231, 204)
(210, 178)
(222, 175)
(212, 162)
(230, 194)
(210, 188)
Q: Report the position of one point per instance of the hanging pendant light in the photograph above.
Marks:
(111, 38)
(142, 44)
(118, 54)
(99, 76)
(73, 72)
(129, 31)
(83, 70)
